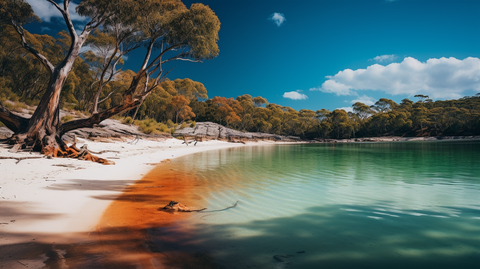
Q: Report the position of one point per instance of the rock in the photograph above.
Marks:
(204, 131)
(109, 130)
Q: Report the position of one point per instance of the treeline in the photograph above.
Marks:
(23, 79)
(421, 118)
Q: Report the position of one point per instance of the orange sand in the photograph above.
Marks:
(122, 230)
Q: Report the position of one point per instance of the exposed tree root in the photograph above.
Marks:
(73, 152)
(52, 147)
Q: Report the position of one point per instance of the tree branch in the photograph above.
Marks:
(45, 62)
(66, 17)
(147, 56)
(12, 121)
(104, 99)
(181, 59)
(98, 117)
(162, 53)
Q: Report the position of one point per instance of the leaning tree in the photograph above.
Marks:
(169, 31)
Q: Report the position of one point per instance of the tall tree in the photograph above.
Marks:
(168, 27)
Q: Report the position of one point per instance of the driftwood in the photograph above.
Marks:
(20, 158)
(234, 205)
(135, 141)
(178, 207)
(186, 142)
(104, 151)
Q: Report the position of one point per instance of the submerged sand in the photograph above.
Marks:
(50, 208)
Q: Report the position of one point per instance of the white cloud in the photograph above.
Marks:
(365, 99)
(295, 95)
(47, 11)
(347, 109)
(278, 18)
(437, 78)
(330, 86)
(385, 58)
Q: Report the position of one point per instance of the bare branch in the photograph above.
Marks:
(147, 56)
(181, 59)
(108, 96)
(11, 121)
(98, 117)
(158, 79)
(56, 5)
(159, 57)
(45, 62)
(66, 17)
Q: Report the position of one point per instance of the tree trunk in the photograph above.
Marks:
(44, 129)
(41, 130)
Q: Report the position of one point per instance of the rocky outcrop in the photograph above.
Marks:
(208, 131)
(110, 129)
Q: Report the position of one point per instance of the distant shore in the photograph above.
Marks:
(397, 139)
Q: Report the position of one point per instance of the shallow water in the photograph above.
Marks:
(369, 205)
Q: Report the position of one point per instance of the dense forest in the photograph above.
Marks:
(23, 81)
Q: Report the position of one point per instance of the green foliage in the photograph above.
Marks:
(150, 126)
(423, 118)
(170, 123)
(8, 106)
(127, 120)
(67, 118)
(18, 11)
(19, 107)
(193, 124)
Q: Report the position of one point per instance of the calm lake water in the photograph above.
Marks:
(369, 205)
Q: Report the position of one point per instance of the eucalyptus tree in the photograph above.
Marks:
(362, 110)
(43, 130)
(384, 105)
(169, 30)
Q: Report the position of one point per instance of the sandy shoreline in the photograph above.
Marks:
(46, 203)
(51, 201)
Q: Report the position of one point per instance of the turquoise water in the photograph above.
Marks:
(369, 205)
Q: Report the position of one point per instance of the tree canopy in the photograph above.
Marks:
(166, 28)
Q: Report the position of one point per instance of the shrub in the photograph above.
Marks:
(13, 97)
(163, 128)
(149, 130)
(79, 114)
(127, 120)
(170, 123)
(32, 102)
(18, 107)
(193, 124)
(67, 118)
(9, 106)
(184, 124)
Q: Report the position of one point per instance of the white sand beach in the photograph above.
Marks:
(50, 201)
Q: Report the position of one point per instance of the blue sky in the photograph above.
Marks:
(330, 53)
